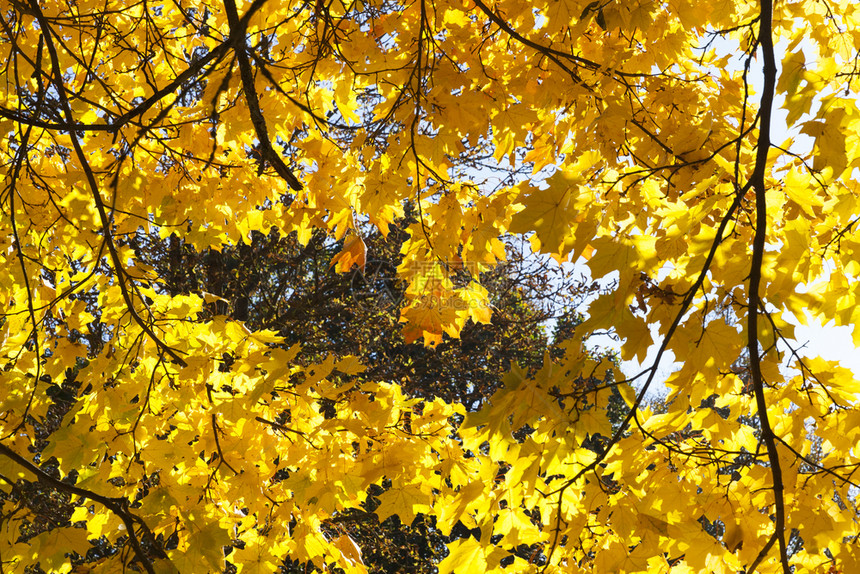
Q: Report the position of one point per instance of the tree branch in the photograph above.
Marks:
(104, 219)
(754, 306)
(237, 32)
(118, 506)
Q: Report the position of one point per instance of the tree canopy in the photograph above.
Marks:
(188, 187)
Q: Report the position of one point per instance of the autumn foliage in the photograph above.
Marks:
(149, 424)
